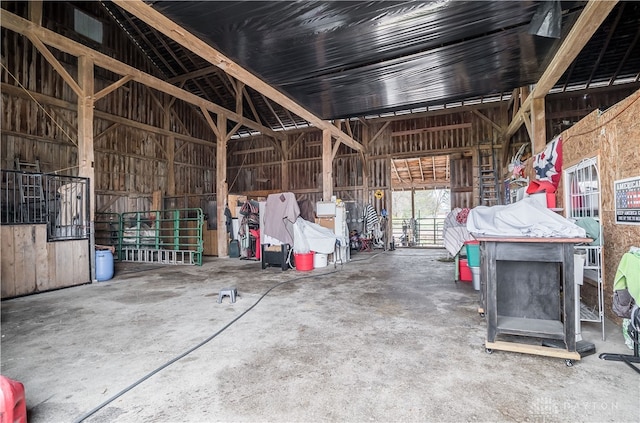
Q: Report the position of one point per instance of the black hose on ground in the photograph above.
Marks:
(190, 350)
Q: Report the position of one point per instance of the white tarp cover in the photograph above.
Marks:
(308, 236)
(526, 217)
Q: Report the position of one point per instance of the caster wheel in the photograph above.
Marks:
(488, 350)
(569, 363)
(481, 314)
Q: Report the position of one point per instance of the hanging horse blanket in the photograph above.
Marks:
(371, 222)
(280, 212)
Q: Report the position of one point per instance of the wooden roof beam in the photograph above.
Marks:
(189, 41)
(192, 75)
(406, 163)
(592, 16)
(24, 27)
(395, 169)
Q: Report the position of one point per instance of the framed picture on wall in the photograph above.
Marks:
(627, 193)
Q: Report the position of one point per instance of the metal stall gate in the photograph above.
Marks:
(160, 236)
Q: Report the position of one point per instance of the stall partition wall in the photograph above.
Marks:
(31, 264)
(44, 232)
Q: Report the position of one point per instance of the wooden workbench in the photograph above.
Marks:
(528, 292)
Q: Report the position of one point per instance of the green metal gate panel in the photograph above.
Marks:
(158, 236)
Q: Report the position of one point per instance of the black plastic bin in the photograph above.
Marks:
(275, 258)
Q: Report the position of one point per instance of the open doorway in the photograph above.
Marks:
(420, 200)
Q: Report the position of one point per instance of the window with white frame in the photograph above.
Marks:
(582, 190)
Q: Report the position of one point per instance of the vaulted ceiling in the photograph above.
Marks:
(362, 59)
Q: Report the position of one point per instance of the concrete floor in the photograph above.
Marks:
(387, 337)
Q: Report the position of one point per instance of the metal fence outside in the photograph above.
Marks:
(421, 232)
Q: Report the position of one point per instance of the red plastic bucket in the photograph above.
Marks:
(304, 262)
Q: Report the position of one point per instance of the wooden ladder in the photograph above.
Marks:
(32, 202)
(488, 177)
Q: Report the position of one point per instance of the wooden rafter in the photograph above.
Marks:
(626, 57)
(433, 163)
(603, 50)
(446, 168)
(376, 137)
(183, 37)
(192, 75)
(295, 125)
(109, 89)
(266, 100)
(150, 44)
(256, 116)
(347, 124)
(432, 129)
(238, 87)
(486, 119)
(22, 26)
(212, 125)
(395, 169)
(406, 163)
(35, 40)
(592, 16)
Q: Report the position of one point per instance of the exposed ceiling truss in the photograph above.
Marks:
(420, 172)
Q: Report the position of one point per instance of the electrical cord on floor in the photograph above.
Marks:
(190, 350)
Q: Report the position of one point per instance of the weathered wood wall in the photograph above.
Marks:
(134, 155)
(144, 145)
(30, 264)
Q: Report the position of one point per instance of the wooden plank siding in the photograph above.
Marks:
(39, 121)
(132, 157)
(30, 264)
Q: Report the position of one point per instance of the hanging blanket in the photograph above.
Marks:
(371, 222)
(455, 232)
(280, 212)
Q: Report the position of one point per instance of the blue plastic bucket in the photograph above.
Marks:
(104, 265)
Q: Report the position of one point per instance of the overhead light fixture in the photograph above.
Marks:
(547, 20)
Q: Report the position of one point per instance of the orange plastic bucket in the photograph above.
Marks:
(304, 262)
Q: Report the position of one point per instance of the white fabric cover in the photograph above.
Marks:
(308, 236)
(523, 218)
(454, 234)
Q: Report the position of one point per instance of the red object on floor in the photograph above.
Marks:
(256, 234)
(13, 407)
(465, 271)
(303, 261)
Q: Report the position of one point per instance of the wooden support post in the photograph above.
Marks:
(364, 156)
(284, 166)
(35, 12)
(539, 140)
(85, 144)
(221, 184)
(156, 200)
(170, 149)
(327, 166)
